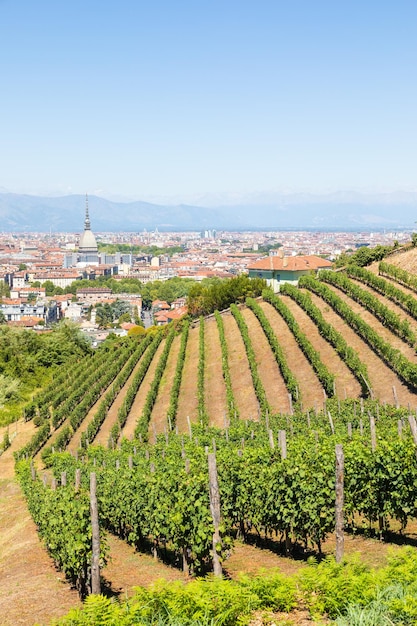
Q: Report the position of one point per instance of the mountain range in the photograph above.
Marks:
(341, 210)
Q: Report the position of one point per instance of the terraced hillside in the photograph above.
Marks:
(340, 335)
(276, 360)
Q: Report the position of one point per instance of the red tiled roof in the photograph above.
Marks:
(290, 264)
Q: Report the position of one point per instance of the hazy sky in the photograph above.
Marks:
(180, 97)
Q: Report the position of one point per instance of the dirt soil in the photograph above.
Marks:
(310, 388)
(160, 410)
(381, 377)
(214, 385)
(31, 589)
(346, 384)
(104, 432)
(378, 327)
(188, 401)
(390, 304)
(274, 385)
(242, 385)
(139, 401)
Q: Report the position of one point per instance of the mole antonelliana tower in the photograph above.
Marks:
(87, 247)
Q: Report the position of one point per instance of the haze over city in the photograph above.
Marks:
(207, 103)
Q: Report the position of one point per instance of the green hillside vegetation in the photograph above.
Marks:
(27, 360)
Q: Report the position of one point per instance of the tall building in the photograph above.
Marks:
(87, 247)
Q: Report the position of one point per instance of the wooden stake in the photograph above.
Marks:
(394, 393)
(77, 478)
(95, 557)
(340, 540)
(282, 438)
(330, 422)
(189, 427)
(215, 511)
(63, 479)
(373, 431)
(271, 439)
(400, 429)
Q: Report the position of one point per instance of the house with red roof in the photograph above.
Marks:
(278, 269)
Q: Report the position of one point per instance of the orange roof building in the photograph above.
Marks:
(277, 269)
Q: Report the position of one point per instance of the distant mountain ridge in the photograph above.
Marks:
(345, 210)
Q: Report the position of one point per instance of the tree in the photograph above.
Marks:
(49, 287)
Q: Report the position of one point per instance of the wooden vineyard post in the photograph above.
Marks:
(329, 415)
(95, 556)
(77, 478)
(271, 439)
(394, 393)
(189, 428)
(282, 438)
(340, 462)
(349, 430)
(400, 429)
(63, 479)
(215, 511)
(373, 431)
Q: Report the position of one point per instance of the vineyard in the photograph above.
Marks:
(221, 430)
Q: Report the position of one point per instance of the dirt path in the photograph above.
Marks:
(160, 411)
(31, 589)
(214, 386)
(310, 388)
(188, 401)
(139, 402)
(381, 377)
(274, 385)
(242, 384)
(346, 384)
(128, 568)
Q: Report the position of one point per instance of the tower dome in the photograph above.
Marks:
(88, 243)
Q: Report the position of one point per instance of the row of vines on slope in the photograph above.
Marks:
(250, 353)
(323, 374)
(232, 410)
(391, 320)
(386, 288)
(157, 495)
(343, 349)
(393, 357)
(399, 275)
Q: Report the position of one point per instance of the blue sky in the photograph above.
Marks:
(178, 97)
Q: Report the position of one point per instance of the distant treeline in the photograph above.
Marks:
(204, 299)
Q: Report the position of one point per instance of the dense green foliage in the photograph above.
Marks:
(364, 255)
(204, 299)
(27, 360)
(350, 593)
(63, 520)
(137, 250)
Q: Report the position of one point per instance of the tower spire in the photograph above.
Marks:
(87, 224)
